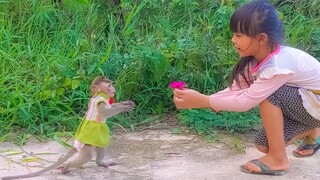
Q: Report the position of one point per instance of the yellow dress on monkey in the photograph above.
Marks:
(93, 130)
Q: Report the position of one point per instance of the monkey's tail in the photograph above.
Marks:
(53, 166)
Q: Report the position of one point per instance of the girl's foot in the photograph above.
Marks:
(305, 150)
(309, 146)
(270, 161)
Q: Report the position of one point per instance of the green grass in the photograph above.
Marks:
(50, 54)
(204, 121)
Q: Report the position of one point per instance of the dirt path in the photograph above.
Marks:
(160, 155)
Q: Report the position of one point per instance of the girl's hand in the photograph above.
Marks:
(189, 99)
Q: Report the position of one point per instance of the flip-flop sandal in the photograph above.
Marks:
(265, 170)
(314, 147)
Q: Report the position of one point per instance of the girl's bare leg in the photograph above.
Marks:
(276, 157)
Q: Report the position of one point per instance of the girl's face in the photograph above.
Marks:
(245, 45)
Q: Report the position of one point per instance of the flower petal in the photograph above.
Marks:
(177, 84)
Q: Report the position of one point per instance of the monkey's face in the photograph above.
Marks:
(107, 88)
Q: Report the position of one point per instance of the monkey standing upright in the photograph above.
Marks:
(93, 132)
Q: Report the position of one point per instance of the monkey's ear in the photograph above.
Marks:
(95, 89)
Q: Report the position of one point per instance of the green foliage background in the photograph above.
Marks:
(49, 54)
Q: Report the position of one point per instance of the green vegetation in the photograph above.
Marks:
(204, 120)
(49, 54)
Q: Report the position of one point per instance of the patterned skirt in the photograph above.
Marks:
(296, 120)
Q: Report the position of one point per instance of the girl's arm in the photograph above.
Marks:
(244, 99)
(189, 98)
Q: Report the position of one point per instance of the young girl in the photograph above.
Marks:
(283, 81)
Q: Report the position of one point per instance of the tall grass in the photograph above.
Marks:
(49, 54)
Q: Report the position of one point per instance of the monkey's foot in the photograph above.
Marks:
(107, 163)
(64, 168)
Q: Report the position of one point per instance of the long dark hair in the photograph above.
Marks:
(252, 19)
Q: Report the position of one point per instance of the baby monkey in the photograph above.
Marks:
(93, 132)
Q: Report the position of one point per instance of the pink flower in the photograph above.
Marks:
(177, 84)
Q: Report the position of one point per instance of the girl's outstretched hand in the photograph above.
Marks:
(189, 99)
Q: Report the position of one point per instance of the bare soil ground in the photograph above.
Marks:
(158, 154)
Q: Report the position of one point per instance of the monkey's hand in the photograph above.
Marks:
(126, 106)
